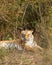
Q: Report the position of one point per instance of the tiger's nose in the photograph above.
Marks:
(26, 36)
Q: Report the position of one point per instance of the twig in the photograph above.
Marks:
(25, 11)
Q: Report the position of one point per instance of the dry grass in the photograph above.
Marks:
(15, 57)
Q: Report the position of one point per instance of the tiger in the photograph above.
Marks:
(26, 42)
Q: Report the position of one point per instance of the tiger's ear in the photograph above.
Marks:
(31, 31)
(23, 32)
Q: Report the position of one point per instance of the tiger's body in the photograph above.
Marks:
(11, 44)
(26, 41)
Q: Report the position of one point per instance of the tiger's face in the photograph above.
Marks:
(26, 34)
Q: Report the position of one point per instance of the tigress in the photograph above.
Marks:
(26, 42)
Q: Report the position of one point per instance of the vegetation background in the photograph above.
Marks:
(35, 15)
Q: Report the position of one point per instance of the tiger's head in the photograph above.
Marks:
(26, 34)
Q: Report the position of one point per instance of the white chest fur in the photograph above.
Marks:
(30, 41)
